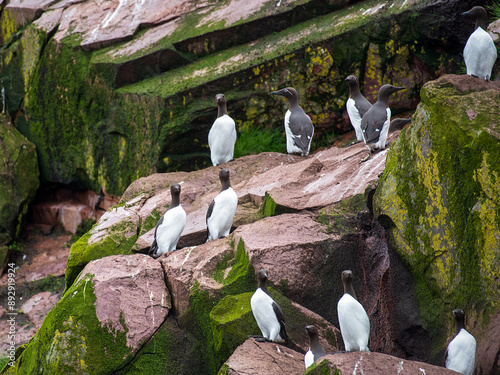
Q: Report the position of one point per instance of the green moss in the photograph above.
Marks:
(323, 368)
(115, 240)
(19, 182)
(257, 140)
(268, 206)
(224, 370)
(232, 323)
(341, 217)
(168, 352)
(71, 339)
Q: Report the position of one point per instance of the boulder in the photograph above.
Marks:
(372, 363)
(113, 308)
(256, 358)
(439, 197)
(18, 182)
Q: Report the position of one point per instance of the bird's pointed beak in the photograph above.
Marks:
(399, 88)
(466, 13)
(275, 93)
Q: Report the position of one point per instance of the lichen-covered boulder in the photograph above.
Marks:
(103, 320)
(372, 363)
(440, 198)
(18, 181)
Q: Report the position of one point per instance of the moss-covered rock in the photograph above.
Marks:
(18, 180)
(115, 233)
(232, 322)
(99, 325)
(440, 196)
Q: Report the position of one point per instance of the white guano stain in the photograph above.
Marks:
(354, 372)
(400, 367)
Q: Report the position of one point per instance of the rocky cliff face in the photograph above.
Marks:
(18, 183)
(439, 197)
(139, 81)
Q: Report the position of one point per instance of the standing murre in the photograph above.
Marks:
(480, 52)
(170, 226)
(461, 352)
(353, 320)
(357, 105)
(267, 312)
(221, 211)
(375, 123)
(222, 135)
(299, 128)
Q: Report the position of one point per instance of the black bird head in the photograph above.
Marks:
(476, 12)
(352, 79)
(175, 189)
(311, 330)
(262, 275)
(220, 99)
(479, 14)
(224, 178)
(288, 92)
(347, 276)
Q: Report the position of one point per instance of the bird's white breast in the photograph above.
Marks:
(262, 309)
(354, 323)
(462, 353)
(170, 230)
(355, 118)
(221, 140)
(309, 358)
(219, 223)
(290, 145)
(384, 131)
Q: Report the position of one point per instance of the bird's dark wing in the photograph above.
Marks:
(154, 246)
(372, 124)
(362, 105)
(209, 213)
(210, 209)
(281, 319)
(302, 129)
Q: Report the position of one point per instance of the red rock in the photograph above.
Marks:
(130, 288)
(257, 358)
(288, 246)
(38, 306)
(488, 348)
(378, 363)
(184, 266)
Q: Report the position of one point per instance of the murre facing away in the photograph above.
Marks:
(299, 128)
(480, 52)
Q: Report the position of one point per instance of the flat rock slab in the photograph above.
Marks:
(326, 177)
(130, 291)
(374, 363)
(257, 358)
